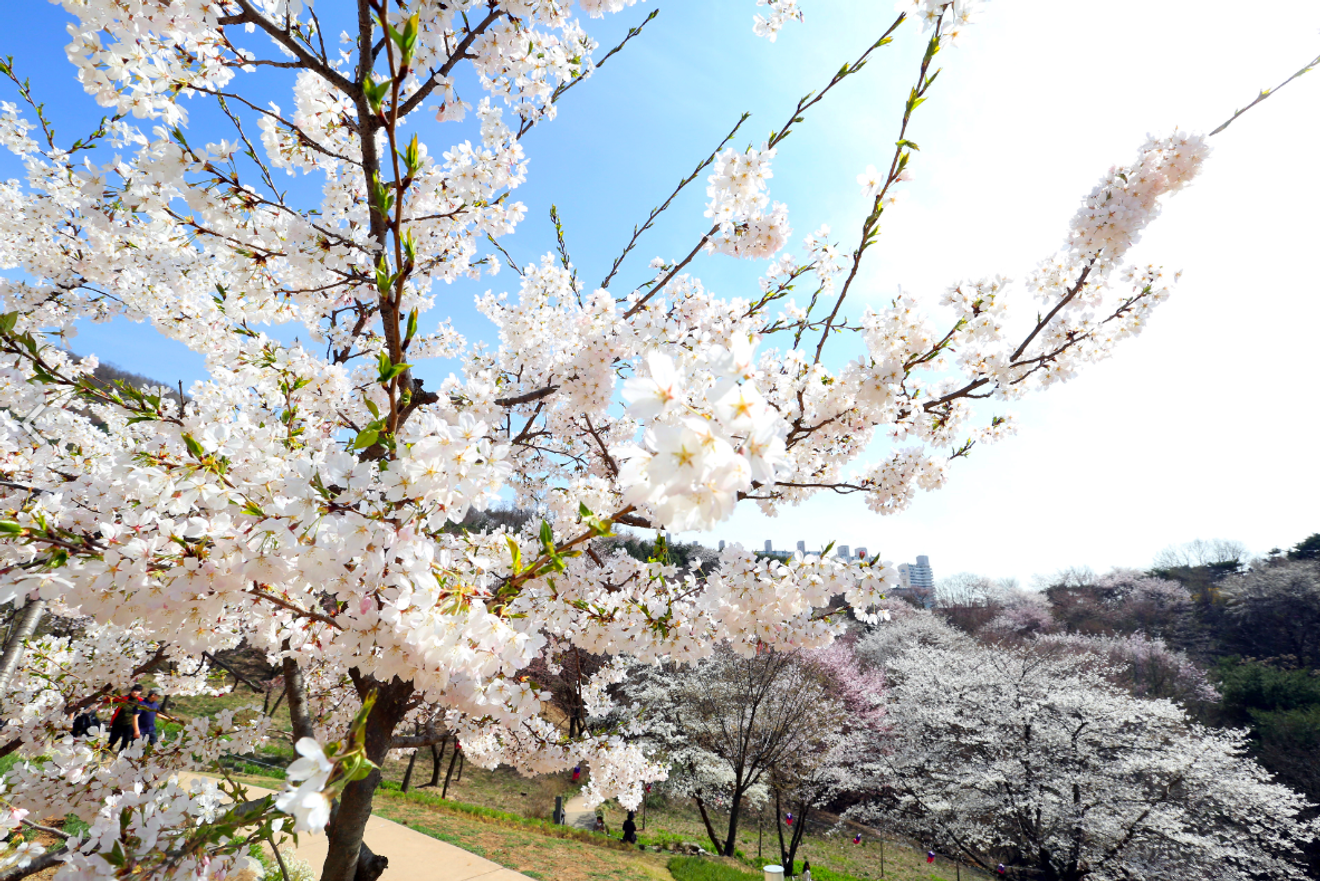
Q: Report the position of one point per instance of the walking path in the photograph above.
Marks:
(577, 815)
(412, 855)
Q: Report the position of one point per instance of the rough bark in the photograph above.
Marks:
(297, 694)
(345, 830)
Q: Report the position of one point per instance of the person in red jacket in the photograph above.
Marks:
(124, 723)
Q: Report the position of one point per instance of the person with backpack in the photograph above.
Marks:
(147, 716)
(124, 722)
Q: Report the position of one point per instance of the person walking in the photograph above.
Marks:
(806, 871)
(147, 716)
(124, 722)
(630, 828)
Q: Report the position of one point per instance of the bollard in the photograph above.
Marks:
(774, 873)
(559, 810)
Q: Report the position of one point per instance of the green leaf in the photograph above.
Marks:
(411, 28)
(9, 527)
(412, 325)
(515, 553)
(371, 406)
(906, 143)
(384, 280)
(7, 322)
(366, 437)
(392, 371)
(375, 92)
(193, 446)
(547, 536)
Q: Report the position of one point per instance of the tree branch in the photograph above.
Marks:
(251, 15)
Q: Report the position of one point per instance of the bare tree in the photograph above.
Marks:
(1199, 552)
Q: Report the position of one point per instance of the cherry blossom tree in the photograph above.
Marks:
(1144, 665)
(303, 496)
(847, 738)
(1031, 758)
(1275, 611)
(727, 728)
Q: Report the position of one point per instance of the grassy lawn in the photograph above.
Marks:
(541, 850)
(551, 853)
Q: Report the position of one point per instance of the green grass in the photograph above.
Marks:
(702, 869)
(390, 789)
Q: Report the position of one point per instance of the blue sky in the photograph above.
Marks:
(1202, 427)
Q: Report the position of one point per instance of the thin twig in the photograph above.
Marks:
(1265, 93)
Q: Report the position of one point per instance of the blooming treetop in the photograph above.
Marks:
(302, 497)
(1028, 755)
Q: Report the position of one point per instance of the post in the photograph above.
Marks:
(882, 858)
(559, 810)
(774, 873)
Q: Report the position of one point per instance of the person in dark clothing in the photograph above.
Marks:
(124, 722)
(83, 723)
(630, 828)
(147, 717)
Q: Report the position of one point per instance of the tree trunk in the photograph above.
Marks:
(794, 840)
(779, 828)
(437, 758)
(444, 793)
(345, 831)
(27, 625)
(734, 807)
(705, 818)
(297, 694)
(407, 775)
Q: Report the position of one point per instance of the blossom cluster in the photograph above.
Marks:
(747, 225)
(779, 12)
(313, 498)
(692, 467)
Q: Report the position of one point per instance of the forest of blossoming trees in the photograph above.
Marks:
(313, 502)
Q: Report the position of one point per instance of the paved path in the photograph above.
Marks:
(577, 815)
(412, 855)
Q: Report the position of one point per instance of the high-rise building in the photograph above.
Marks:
(920, 575)
(917, 582)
